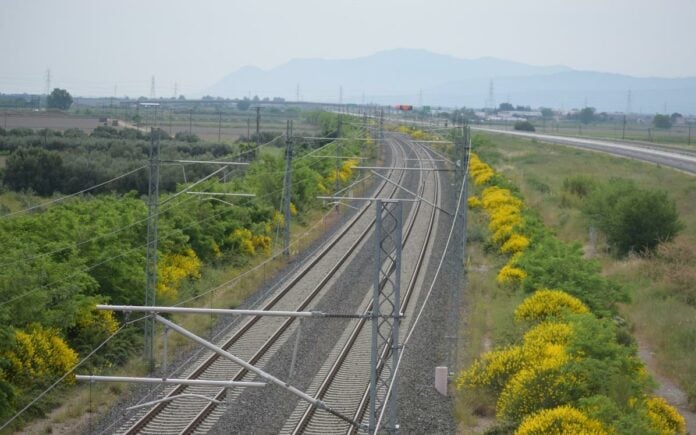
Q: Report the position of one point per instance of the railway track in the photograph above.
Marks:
(343, 382)
(256, 338)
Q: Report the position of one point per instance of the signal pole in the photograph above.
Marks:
(381, 125)
(339, 149)
(287, 197)
(48, 87)
(48, 81)
(219, 124)
(462, 144)
(258, 129)
(151, 259)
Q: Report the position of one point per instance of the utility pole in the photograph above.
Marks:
(258, 130)
(623, 133)
(297, 93)
(339, 150)
(153, 94)
(48, 86)
(381, 125)
(48, 81)
(190, 121)
(249, 129)
(461, 143)
(219, 124)
(386, 313)
(151, 258)
(287, 197)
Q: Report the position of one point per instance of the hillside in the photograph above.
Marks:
(399, 76)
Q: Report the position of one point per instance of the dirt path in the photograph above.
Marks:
(666, 387)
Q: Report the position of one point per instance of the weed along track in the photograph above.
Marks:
(257, 339)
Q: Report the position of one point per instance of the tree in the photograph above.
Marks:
(243, 104)
(546, 113)
(59, 99)
(506, 106)
(524, 126)
(662, 121)
(633, 219)
(587, 115)
(36, 169)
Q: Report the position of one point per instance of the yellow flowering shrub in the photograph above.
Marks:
(516, 243)
(542, 345)
(474, 202)
(244, 239)
(560, 421)
(249, 243)
(664, 418)
(215, 248)
(403, 129)
(344, 173)
(535, 388)
(502, 233)
(493, 369)
(262, 242)
(480, 171)
(544, 304)
(293, 209)
(510, 275)
(495, 196)
(505, 215)
(39, 353)
(544, 334)
(97, 319)
(278, 220)
(420, 135)
(173, 269)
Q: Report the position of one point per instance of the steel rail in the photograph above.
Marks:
(358, 328)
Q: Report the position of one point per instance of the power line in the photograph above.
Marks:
(66, 374)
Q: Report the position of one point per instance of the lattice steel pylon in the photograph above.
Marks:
(151, 261)
(386, 313)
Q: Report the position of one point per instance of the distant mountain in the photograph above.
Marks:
(409, 76)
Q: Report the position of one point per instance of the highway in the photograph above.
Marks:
(683, 160)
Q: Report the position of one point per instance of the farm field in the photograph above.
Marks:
(205, 124)
(53, 120)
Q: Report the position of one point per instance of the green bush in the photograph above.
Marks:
(551, 263)
(524, 126)
(580, 185)
(633, 219)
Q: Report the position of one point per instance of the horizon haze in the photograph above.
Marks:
(95, 48)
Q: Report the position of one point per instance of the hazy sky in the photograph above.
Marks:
(91, 46)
